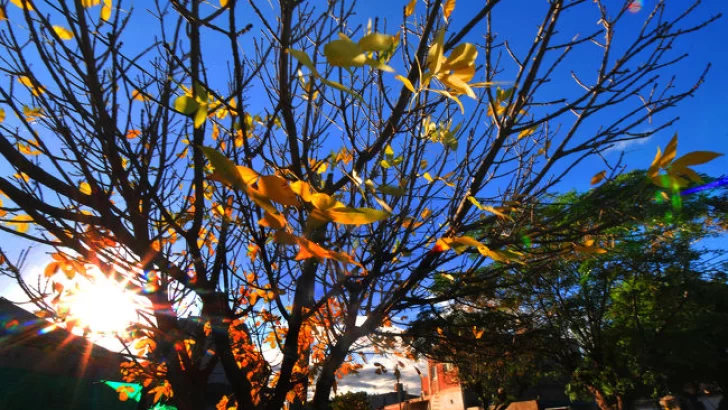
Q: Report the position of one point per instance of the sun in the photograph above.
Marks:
(102, 306)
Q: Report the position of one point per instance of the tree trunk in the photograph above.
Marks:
(603, 401)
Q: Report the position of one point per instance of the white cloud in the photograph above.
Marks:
(622, 146)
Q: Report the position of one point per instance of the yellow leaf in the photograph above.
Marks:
(461, 57)
(90, 3)
(23, 4)
(654, 167)
(448, 8)
(27, 149)
(597, 178)
(478, 333)
(448, 276)
(355, 216)
(225, 170)
(2, 15)
(200, 116)
(185, 104)
(302, 189)
(388, 151)
(527, 132)
(670, 151)
(496, 212)
(324, 202)
(410, 8)
(85, 188)
(434, 55)
(277, 190)
(20, 223)
(304, 59)
(376, 42)
(407, 83)
(106, 10)
(32, 114)
(63, 33)
(428, 177)
(686, 172)
(695, 158)
(223, 3)
(138, 95)
(344, 53)
(2, 115)
(35, 90)
(271, 221)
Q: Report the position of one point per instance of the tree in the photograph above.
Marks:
(637, 320)
(265, 162)
(350, 400)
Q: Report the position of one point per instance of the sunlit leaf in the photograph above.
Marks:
(85, 188)
(670, 152)
(2, 115)
(344, 53)
(598, 177)
(434, 55)
(410, 8)
(23, 4)
(303, 58)
(448, 8)
(186, 105)
(478, 333)
(35, 90)
(355, 216)
(461, 57)
(223, 3)
(63, 33)
(27, 149)
(106, 10)
(695, 158)
(2, 15)
(406, 82)
(138, 95)
(376, 42)
(277, 190)
(20, 223)
(200, 116)
(527, 132)
(225, 170)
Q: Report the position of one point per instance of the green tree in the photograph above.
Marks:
(637, 313)
(350, 401)
(261, 159)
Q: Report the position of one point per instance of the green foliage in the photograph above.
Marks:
(350, 401)
(637, 320)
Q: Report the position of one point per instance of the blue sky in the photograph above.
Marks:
(703, 123)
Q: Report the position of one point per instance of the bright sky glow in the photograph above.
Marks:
(104, 307)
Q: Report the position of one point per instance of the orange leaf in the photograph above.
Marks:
(448, 8)
(597, 178)
(277, 190)
(271, 221)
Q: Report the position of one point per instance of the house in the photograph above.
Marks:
(441, 390)
(43, 366)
